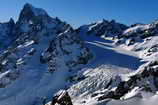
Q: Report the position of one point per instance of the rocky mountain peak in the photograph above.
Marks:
(11, 21)
(44, 40)
(28, 12)
(34, 19)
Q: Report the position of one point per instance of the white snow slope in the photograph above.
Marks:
(108, 62)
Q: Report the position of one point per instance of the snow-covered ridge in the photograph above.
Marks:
(136, 29)
(104, 28)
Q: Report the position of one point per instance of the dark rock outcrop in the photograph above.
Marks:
(62, 98)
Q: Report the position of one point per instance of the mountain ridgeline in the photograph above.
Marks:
(93, 64)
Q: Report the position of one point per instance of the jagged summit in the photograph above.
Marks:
(36, 11)
(30, 11)
(32, 18)
(28, 5)
(11, 21)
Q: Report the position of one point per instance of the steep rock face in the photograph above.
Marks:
(29, 12)
(47, 42)
(33, 19)
(6, 34)
(104, 28)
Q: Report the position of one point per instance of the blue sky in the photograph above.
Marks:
(78, 12)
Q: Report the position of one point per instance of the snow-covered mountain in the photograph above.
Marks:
(104, 28)
(140, 40)
(41, 58)
(44, 60)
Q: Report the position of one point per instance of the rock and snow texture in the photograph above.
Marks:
(39, 61)
(104, 82)
(104, 28)
(142, 39)
(110, 62)
(45, 55)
